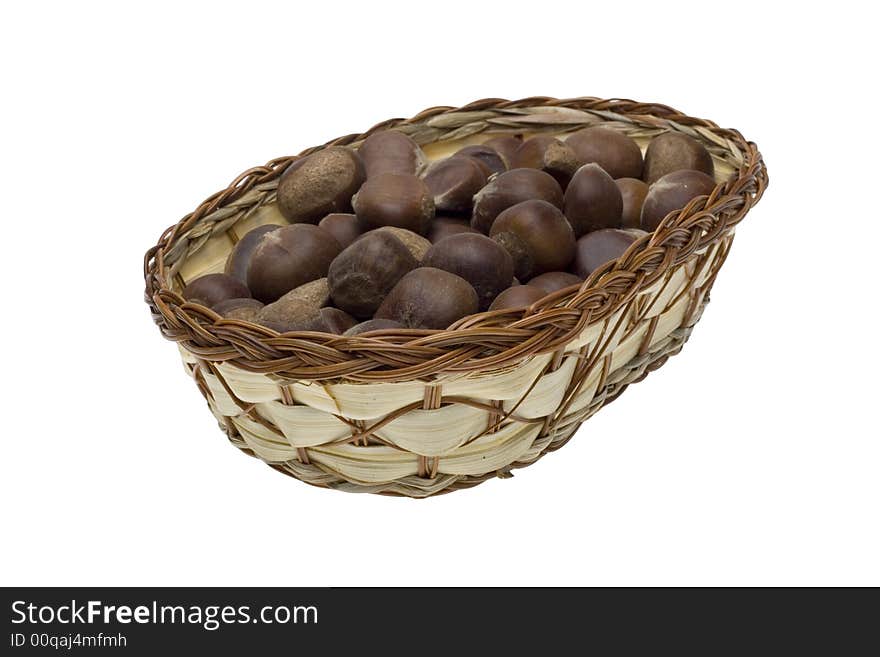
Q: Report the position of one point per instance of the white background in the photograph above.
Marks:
(751, 458)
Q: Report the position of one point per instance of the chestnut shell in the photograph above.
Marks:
(479, 260)
(510, 188)
(517, 296)
(391, 151)
(601, 246)
(289, 257)
(319, 184)
(632, 193)
(345, 227)
(618, 154)
(674, 151)
(592, 200)
(211, 289)
(429, 298)
(363, 274)
(393, 199)
(240, 257)
(545, 232)
(672, 192)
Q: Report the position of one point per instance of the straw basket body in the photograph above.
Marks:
(418, 413)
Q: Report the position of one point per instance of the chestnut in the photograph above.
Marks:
(293, 310)
(391, 151)
(592, 200)
(365, 272)
(245, 309)
(505, 146)
(632, 192)
(416, 244)
(394, 199)
(453, 183)
(612, 150)
(315, 294)
(489, 160)
(543, 230)
(530, 153)
(289, 257)
(429, 298)
(477, 259)
(509, 188)
(596, 248)
(319, 184)
(328, 320)
(445, 226)
(523, 265)
(555, 280)
(672, 192)
(517, 296)
(373, 325)
(240, 257)
(548, 154)
(673, 151)
(211, 289)
(344, 227)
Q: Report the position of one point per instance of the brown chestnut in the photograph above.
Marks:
(490, 160)
(612, 150)
(548, 154)
(592, 200)
(453, 183)
(416, 244)
(596, 248)
(373, 325)
(245, 309)
(445, 226)
(320, 183)
(504, 145)
(673, 151)
(240, 257)
(365, 272)
(555, 280)
(293, 310)
(523, 264)
(391, 151)
(477, 259)
(517, 296)
(211, 289)
(429, 298)
(672, 192)
(530, 154)
(328, 320)
(632, 192)
(289, 257)
(509, 188)
(344, 227)
(542, 228)
(315, 294)
(393, 199)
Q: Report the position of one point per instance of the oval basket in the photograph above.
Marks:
(417, 413)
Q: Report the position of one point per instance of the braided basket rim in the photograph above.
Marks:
(488, 340)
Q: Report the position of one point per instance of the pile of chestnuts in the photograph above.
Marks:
(379, 238)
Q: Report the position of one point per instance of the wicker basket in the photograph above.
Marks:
(418, 413)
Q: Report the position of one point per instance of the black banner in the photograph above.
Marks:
(408, 620)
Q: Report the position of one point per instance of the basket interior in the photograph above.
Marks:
(211, 256)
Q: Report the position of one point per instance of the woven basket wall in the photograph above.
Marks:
(418, 413)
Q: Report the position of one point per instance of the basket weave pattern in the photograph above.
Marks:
(416, 413)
